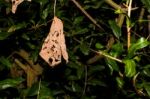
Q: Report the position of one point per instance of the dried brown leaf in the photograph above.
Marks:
(15, 4)
(54, 46)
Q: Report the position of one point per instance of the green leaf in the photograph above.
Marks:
(141, 43)
(80, 72)
(80, 31)
(95, 82)
(112, 64)
(130, 68)
(7, 83)
(34, 55)
(45, 12)
(115, 28)
(17, 27)
(95, 69)
(99, 46)
(72, 77)
(147, 88)
(78, 20)
(84, 48)
(4, 35)
(147, 4)
(25, 36)
(128, 21)
(33, 90)
(76, 87)
(5, 62)
(73, 65)
(91, 4)
(117, 49)
(146, 70)
(119, 11)
(45, 93)
(120, 82)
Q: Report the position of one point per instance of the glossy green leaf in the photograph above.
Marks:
(146, 70)
(130, 68)
(128, 21)
(84, 48)
(45, 93)
(112, 64)
(147, 88)
(34, 55)
(99, 46)
(17, 27)
(120, 82)
(33, 90)
(95, 69)
(78, 20)
(7, 83)
(117, 49)
(80, 72)
(76, 87)
(5, 62)
(115, 28)
(26, 37)
(119, 11)
(96, 82)
(45, 13)
(141, 43)
(73, 65)
(5, 35)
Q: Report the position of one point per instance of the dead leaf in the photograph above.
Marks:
(23, 65)
(54, 46)
(15, 4)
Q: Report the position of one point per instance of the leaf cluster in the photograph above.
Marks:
(100, 64)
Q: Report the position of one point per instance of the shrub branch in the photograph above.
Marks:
(87, 14)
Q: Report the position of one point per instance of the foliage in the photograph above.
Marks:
(100, 64)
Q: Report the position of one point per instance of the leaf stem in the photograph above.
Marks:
(85, 80)
(55, 7)
(129, 26)
(107, 56)
(110, 57)
(113, 4)
(102, 53)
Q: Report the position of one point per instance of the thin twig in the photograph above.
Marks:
(86, 14)
(142, 12)
(39, 25)
(38, 93)
(108, 56)
(128, 26)
(129, 8)
(148, 17)
(128, 37)
(85, 81)
(22, 66)
(102, 53)
(113, 4)
(138, 91)
(117, 7)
